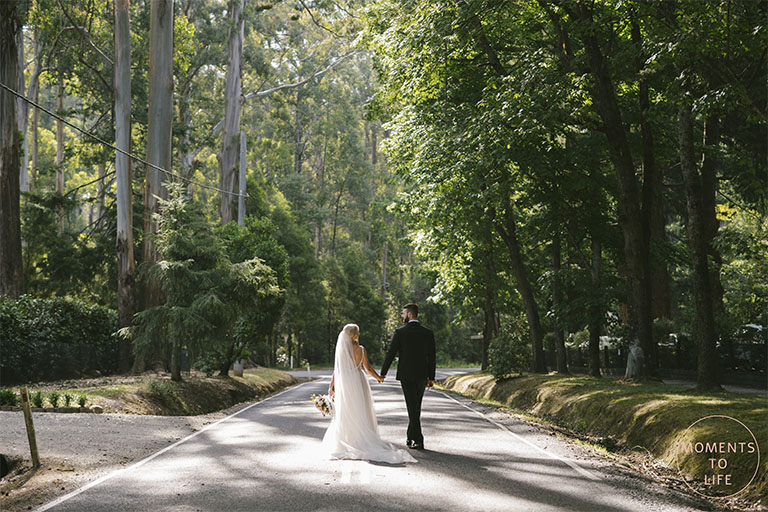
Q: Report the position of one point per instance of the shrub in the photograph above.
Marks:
(37, 398)
(53, 398)
(82, 400)
(48, 339)
(8, 397)
(207, 364)
(68, 397)
(509, 351)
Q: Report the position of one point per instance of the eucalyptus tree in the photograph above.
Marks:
(124, 241)
(159, 126)
(301, 56)
(23, 111)
(232, 108)
(11, 275)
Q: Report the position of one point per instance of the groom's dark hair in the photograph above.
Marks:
(413, 308)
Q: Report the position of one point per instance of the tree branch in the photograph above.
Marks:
(489, 51)
(259, 94)
(329, 30)
(85, 35)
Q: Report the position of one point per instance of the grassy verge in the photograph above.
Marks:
(652, 417)
(157, 394)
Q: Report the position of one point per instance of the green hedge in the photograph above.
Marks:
(49, 339)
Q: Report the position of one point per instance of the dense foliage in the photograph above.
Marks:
(48, 339)
(546, 149)
(536, 174)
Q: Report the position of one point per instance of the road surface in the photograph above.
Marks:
(267, 457)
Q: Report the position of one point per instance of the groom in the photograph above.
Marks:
(415, 344)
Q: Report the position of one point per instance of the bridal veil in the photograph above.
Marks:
(354, 431)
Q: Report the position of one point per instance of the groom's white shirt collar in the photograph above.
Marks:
(409, 321)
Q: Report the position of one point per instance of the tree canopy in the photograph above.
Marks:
(539, 175)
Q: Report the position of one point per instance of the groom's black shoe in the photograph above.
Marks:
(414, 445)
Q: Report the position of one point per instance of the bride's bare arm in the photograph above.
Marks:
(333, 381)
(369, 369)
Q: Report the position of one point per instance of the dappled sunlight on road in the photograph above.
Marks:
(269, 457)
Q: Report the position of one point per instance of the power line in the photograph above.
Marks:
(106, 175)
(105, 143)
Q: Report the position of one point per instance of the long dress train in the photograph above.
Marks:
(354, 432)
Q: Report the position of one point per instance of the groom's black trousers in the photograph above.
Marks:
(414, 393)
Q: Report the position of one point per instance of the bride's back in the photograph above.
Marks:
(357, 354)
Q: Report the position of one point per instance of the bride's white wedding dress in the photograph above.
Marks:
(354, 431)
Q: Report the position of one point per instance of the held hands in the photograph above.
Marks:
(430, 383)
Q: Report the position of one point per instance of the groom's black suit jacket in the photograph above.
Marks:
(415, 344)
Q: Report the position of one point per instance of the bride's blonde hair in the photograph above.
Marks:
(352, 330)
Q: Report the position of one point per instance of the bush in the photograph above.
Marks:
(8, 397)
(49, 339)
(68, 397)
(37, 398)
(53, 398)
(207, 364)
(509, 352)
(82, 400)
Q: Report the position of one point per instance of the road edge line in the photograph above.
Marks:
(94, 483)
(570, 463)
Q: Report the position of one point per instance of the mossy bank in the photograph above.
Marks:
(157, 394)
(652, 417)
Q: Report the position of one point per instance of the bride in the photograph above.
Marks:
(354, 432)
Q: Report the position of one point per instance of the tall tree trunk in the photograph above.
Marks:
(175, 356)
(709, 202)
(707, 376)
(60, 147)
(630, 214)
(11, 275)
(660, 279)
(562, 360)
(227, 361)
(160, 120)
(318, 238)
(336, 219)
(232, 108)
(298, 136)
(508, 231)
(367, 133)
(653, 207)
(35, 148)
(124, 239)
(490, 315)
(374, 144)
(595, 311)
(22, 110)
(490, 324)
(101, 191)
(60, 135)
(32, 93)
(185, 119)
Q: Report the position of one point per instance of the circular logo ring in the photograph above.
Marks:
(757, 465)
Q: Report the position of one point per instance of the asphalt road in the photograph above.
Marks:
(267, 457)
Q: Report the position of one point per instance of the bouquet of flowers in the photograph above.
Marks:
(324, 404)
